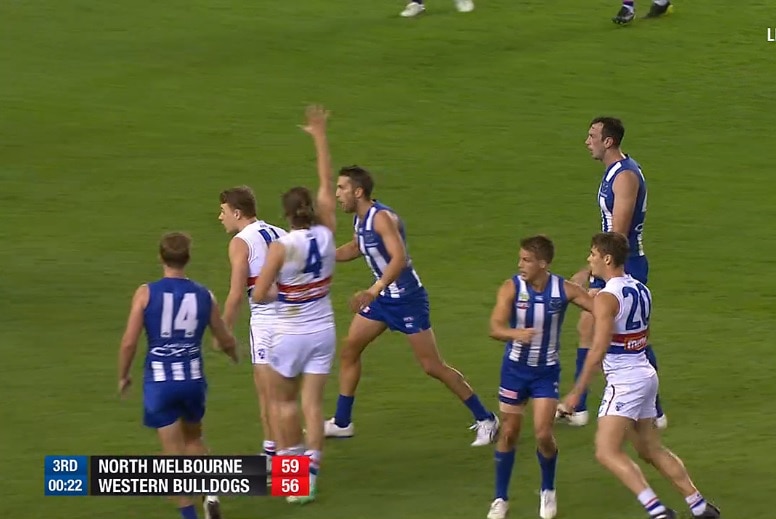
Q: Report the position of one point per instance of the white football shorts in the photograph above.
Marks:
(311, 353)
(634, 400)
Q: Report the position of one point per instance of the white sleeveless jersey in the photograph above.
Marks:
(626, 359)
(258, 235)
(304, 281)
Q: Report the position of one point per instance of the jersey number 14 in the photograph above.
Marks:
(186, 318)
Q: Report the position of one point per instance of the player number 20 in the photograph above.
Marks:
(289, 466)
(290, 486)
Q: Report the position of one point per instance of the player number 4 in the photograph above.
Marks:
(186, 318)
(314, 263)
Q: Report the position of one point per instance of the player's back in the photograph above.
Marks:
(543, 312)
(304, 281)
(626, 359)
(175, 319)
(258, 236)
(606, 203)
(377, 258)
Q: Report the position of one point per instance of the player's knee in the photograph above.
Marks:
(509, 431)
(435, 368)
(604, 453)
(350, 352)
(545, 440)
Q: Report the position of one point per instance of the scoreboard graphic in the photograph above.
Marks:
(175, 475)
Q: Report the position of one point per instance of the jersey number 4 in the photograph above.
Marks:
(314, 263)
(642, 303)
(186, 318)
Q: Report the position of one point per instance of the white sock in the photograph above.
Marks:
(269, 448)
(660, 2)
(696, 503)
(211, 499)
(651, 503)
(315, 465)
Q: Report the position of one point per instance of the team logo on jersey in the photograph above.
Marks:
(556, 304)
(522, 300)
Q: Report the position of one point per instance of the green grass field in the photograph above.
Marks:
(123, 120)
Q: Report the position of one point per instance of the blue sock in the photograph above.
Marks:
(477, 409)
(188, 512)
(505, 461)
(581, 357)
(342, 417)
(547, 466)
(653, 360)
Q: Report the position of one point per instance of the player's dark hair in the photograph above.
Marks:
(613, 244)
(540, 246)
(611, 128)
(240, 198)
(175, 249)
(359, 177)
(298, 208)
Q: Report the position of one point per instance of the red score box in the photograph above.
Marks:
(296, 486)
(290, 466)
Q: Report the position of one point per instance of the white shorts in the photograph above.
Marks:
(311, 353)
(634, 400)
(261, 340)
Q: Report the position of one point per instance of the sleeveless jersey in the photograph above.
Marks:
(258, 236)
(377, 258)
(544, 312)
(606, 203)
(626, 359)
(175, 319)
(304, 281)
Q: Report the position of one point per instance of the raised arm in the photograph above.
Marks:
(327, 204)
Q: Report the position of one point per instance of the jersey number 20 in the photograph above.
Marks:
(642, 303)
(314, 262)
(186, 318)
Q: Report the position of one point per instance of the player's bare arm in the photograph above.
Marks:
(327, 204)
(131, 335)
(626, 190)
(238, 257)
(265, 289)
(224, 337)
(605, 308)
(502, 311)
(348, 251)
(578, 296)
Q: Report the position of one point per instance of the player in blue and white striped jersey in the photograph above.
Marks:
(175, 312)
(528, 315)
(397, 301)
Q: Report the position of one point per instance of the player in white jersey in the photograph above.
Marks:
(247, 252)
(298, 274)
(621, 312)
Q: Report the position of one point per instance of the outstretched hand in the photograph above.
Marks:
(316, 120)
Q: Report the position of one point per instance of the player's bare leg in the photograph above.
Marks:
(361, 333)
(284, 413)
(173, 443)
(609, 440)
(260, 382)
(424, 347)
(508, 434)
(195, 446)
(313, 387)
(546, 453)
(645, 438)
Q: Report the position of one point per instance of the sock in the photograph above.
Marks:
(269, 448)
(504, 463)
(477, 409)
(581, 357)
(188, 512)
(547, 466)
(660, 2)
(315, 465)
(343, 415)
(651, 503)
(628, 4)
(696, 503)
(653, 361)
(211, 499)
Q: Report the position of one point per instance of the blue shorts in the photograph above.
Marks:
(166, 402)
(635, 266)
(408, 316)
(519, 383)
